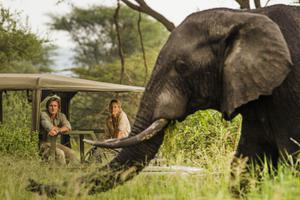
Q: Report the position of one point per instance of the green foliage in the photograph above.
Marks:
(20, 49)
(17, 141)
(93, 31)
(110, 72)
(201, 137)
(15, 132)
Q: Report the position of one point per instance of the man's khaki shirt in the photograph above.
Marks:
(47, 123)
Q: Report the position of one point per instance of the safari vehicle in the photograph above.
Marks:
(39, 86)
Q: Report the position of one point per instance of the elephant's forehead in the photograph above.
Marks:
(182, 41)
(211, 23)
(189, 34)
(185, 44)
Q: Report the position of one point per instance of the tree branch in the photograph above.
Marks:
(257, 3)
(267, 3)
(244, 4)
(141, 6)
(120, 47)
(142, 46)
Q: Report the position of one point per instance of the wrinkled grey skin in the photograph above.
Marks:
(245, 62)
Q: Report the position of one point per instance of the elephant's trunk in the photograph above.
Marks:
(147, 134)
(125, 166)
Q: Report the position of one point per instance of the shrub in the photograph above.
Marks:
(15, 131)
(203, 135)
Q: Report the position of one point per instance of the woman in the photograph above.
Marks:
(117, 123)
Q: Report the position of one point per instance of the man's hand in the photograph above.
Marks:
(63, 130)
(54, 131)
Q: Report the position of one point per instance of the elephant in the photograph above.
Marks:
(234, 61)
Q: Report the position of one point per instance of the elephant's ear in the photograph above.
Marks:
(257, 60)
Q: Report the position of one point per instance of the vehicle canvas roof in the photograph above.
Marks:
(59, 83)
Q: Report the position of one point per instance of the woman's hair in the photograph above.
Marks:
(116, 101)
(51, 99)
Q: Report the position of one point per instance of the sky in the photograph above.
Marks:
(35, 13)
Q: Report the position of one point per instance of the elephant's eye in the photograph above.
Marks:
(181, 67)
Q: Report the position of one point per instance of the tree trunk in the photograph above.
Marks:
(244, 4)
(257, 3)
(120, 46)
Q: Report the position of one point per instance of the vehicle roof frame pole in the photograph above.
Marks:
(36, 107)
(1, 106)
(65, 108)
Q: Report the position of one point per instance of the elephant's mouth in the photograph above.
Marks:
(145, 135)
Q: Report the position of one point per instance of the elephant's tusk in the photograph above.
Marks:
(148, 133)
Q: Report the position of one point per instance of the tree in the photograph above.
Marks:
(21, 50)
(108, 72)
(93, 31)
(245, 4)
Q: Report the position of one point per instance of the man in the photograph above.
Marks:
(53, 122)
(117, 123)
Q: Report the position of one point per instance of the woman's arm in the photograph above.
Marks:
(124, 126)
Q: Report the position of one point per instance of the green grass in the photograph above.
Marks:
(15, 171)
(202, 140)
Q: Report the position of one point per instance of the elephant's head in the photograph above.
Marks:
(218, 59)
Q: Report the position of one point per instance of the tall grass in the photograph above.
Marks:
(203, 140)
(14, 174)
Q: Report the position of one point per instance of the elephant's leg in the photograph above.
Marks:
(255, 144)
(253, 148)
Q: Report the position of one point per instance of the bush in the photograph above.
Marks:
(202, 136)
(15, 131)
(17, 141)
